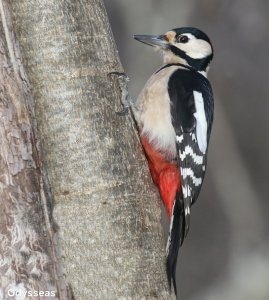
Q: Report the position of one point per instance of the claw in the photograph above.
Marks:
(126, 101)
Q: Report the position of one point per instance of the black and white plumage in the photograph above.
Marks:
(175, 113)
(192, 116)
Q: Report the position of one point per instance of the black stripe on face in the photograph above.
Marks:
(199, 64)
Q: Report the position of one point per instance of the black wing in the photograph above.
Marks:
(191, 158)
(182, 86)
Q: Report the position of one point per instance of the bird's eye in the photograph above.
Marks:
(183, 39)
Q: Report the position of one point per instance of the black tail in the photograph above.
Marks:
(175, 240)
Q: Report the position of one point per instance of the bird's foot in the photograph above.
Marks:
(126, 101)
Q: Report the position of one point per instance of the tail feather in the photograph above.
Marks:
(175, 240)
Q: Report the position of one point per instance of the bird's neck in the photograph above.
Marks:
(199, 65)
(172, 59)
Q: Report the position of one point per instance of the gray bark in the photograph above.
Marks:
(106, 209)
(28, 253)
(229, 230)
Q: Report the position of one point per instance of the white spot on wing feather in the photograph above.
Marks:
(179, 138)
(198, 159)
(186, 191)
(187, 211)
(189, 172)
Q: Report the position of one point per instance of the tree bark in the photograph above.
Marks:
(106, 208)
(28, 256)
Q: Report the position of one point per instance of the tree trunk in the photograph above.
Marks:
(107, 211)
(27, 242)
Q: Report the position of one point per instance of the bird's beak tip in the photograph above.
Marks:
(152, 40)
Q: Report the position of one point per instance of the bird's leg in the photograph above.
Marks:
(126, 101)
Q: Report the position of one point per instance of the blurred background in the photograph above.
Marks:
(226, 254)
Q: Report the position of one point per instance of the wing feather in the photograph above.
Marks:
(192, 112)
(192, 124)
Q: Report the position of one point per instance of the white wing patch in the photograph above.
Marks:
(201, 124)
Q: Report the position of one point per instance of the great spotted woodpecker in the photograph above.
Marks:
(174, 113)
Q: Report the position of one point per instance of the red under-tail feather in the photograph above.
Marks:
(166, 176)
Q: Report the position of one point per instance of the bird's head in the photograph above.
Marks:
(187, 45)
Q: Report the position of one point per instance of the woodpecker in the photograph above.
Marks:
(174, 113)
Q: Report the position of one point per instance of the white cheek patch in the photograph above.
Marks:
(195, 48)
(201, 123)
(204, 49)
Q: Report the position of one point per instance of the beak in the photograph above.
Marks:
(153, 40)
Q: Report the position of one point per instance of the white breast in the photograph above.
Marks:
(152, 112)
